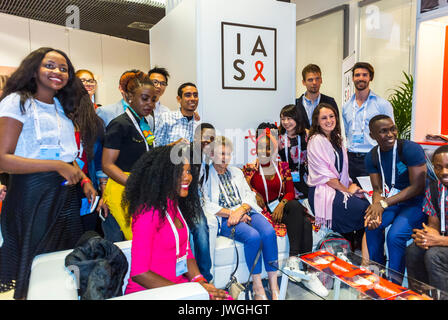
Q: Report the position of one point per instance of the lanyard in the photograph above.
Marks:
(299, 147)
(137, 127)
(364, 117)
(442, 212)
(394, 157)
(265, 185)
(176, 234)
(223, 191)
(37, 123)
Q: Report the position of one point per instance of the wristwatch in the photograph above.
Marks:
(383, 204)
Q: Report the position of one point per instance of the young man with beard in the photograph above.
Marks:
(356, 113)
(427, 256)
(307, 102)
(397, 170)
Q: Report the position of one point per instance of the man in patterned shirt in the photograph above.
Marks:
(427, 256)
(178, 126)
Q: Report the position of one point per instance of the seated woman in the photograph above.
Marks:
(292, 147)
(162, 197)
(337, 203)
(229, 197)
(127, 138)
(271, 181)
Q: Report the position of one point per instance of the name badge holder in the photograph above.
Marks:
(358, 138)
(137, 127)
(181, 262)
(392, 190)
(295, 175)
(47, 152)
(274, 204)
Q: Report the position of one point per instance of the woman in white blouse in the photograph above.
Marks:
(41, 211)
(228, 196)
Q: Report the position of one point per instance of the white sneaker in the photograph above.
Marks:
(316, 285)
(293, 263)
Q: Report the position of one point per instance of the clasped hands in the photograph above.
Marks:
(238, 215)
(426, 237)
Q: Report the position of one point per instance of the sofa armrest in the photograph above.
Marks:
(50, 279)
(182, 291)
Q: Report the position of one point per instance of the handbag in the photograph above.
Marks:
(233, 287)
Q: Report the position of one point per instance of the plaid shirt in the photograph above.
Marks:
(232, 194)
(173, 126)
(428, 207)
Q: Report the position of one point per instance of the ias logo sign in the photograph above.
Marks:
(249, 57)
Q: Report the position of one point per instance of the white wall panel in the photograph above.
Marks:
(44, 34)
(14, 39)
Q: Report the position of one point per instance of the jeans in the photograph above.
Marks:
(428, 266)
(259, 233)
(404, 217)
(201, 245)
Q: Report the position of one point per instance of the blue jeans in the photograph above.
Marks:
(404, 217)
(259, 233)
(201, 245)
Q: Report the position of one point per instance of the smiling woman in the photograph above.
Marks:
(88, 80)
(128, 137)
(37, 147)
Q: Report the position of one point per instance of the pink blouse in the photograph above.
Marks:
(154, 246)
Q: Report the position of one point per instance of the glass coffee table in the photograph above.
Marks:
(346, 276)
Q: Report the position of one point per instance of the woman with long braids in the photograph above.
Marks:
(127, 138)
(38, 148)
(161, 195)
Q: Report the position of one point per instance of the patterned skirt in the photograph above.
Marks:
(38, 215)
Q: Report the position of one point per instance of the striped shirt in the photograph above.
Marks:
(232, 195)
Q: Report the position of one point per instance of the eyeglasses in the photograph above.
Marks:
(161, 83)
(89, 81)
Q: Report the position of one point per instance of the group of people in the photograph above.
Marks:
(162, 174)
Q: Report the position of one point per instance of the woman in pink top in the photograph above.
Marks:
(336, 201)
(161, 197)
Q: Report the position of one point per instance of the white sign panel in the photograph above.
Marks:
(249, 57)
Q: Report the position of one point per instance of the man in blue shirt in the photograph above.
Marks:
(307, 102)
(179, 126)
(397, 170)
(356, 114)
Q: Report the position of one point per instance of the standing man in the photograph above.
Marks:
(356, 113)
(312, 80)
(159, 77)
(397, 171)
(179, 125)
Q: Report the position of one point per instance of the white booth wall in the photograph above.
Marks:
(107, 57)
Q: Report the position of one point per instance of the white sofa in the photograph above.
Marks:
(51, 280)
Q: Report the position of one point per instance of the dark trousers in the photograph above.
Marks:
(356, 167)
(298, 227)
(428, 266)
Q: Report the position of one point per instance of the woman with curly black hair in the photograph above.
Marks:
(41, 211)
(161, 195)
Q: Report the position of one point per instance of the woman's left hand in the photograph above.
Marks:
(215, 294)
(234, 217)
(277, 214)
(89, 191)
(102, 207)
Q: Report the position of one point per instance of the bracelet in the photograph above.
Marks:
(84, 181)
(198, 278)
(284, 201)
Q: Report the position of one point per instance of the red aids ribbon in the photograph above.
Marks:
(259, 67)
